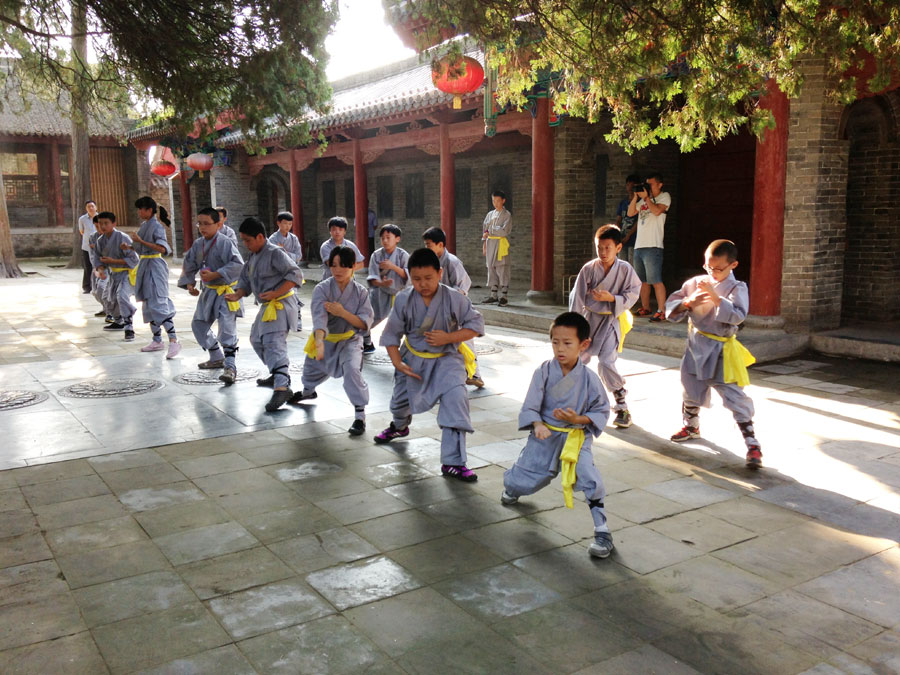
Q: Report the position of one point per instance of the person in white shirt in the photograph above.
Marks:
(650, 204)
(86, 228)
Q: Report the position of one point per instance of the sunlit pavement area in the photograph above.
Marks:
(186, 530)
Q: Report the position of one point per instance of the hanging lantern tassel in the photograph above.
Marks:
(457, 102)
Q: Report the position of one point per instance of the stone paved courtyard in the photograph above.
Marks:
(184, 530)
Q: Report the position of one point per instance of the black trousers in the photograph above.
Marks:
(88, 268)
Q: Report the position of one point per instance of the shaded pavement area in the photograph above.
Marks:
(185, 530)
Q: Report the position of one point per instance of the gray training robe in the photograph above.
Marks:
(152, 284)
(382, 297)
(443, 379)
(119, 290)
(325, 251)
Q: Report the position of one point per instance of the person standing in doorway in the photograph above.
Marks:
(650, 204)
(86, 228)
(495, 248)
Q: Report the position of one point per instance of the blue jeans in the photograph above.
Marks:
(648, 264)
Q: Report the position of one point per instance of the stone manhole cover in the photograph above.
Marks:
(10, 400)
(530, 344)
(483, 348)
(212, 376)
(109, 388)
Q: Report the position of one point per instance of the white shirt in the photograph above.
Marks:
(87, 228)
(651, 229)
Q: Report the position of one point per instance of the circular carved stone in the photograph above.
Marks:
(483, 348)
(109, 388)
(10, 400)
(530, 344)
(212, 376)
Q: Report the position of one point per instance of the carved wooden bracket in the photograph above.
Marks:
(458, 145)
(430, 148)
(368, 157)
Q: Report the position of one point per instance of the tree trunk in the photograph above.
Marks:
(9, 268)
(80, 163)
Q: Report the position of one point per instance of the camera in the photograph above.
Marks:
(643, 187)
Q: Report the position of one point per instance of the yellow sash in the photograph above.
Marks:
(568, 458)
(464, 349)
(310, 348)
(503, 248)
(233, 305)
(735, 358)
(626, 323)
(132, 272)
(272, 306)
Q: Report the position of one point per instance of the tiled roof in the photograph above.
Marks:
(40, 117)
(378, 94)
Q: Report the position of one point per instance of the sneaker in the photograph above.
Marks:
(623, 419)
(279, 398)
(115, 325)
(301, 396)
(602, 546)
(754, 457)
(129, 335)
(153, 347)
(102, 313)
(507, 499)
(503, 302)
(228, 377)
(369, 348)
(265, 381)
(489, 300)
(658, 316)
(211, 365)
(391, 433)
(643, 312)
(174, 350)
(460, 472)
(358, 428)
(109, 319)
(686, 434)
(475, 381)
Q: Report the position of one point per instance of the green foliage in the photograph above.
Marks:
(686, 70)
(264, 60)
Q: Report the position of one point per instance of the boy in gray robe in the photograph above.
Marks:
(113, 255)
(152, 284)
(564, 401)
(454, 276)
(387, 277)
(424, 337)
(495, 248)
(606, 288)
(271, 276)
(337, 228)
(341, 313)
(99, 280)
(715, 304)
(226, 230)
(215, 257)
(291, 245)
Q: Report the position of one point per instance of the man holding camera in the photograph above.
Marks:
(650, 204)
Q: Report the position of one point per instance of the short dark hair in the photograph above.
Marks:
(723, 248)
(499, 193)
(609, 231)
(656, 175)
(573, 320)
(435, 234)
(90, 201)
(346, 254)
(633, 178)
(96, 218)
(107, 215)
(252, 227)
(284, 215)
(393, 229)
(222, 210)
(423, 257)
(211, 212)
(337, 221)
(145, 202)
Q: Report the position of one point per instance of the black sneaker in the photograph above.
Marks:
(109, 319)
(129, 335)
(279, 398)
(503, 302)
(300, 396)
(115, 325)
(369, 348)
(265, 381)
(489, 300)
(623, 419)
(100, 313)
(358, 428)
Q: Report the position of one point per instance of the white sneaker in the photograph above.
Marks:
(174, 350)
(153, 347)
(507, 499)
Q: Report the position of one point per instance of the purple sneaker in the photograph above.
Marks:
(391, 433)
(463, 473)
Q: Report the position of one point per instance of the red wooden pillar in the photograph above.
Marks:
(187, 218)
(448, 188)
(767, 251)
(361, 200)
(54, 187)
(296, 198)
(541, 203)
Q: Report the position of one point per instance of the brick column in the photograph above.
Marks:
(448, 188)
(187, 225)
(361, 200)
(296, 198)
(542, 206)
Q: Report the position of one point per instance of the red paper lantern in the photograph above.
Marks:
(458, 77)
(200, 161)
(163, 167)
